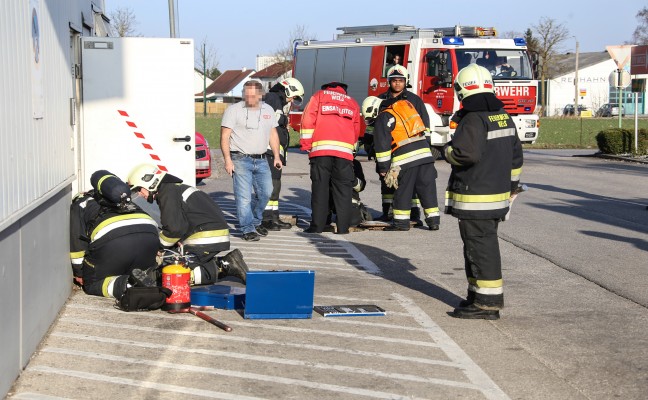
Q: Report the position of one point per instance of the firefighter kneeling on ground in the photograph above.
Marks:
(403, 158)
(112, 242)
(486, 157)
(189, 218)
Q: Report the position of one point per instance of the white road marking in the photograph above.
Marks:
(455, 353)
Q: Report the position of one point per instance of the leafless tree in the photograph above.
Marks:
(206, 62)
(510, 34)
(123, 22)
(550, 36)
(285, 51)
(640, 35)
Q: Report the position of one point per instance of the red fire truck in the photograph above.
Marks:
(360, 57)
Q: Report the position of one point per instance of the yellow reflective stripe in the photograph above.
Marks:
(206, 234)
(131, 218)
(106, 283)
(77, 254)
(208, 237)
(416, 202)
(486, 283)
(305, 131)
(167, 241)
(431, 212)
(515, 174)
(450, 157)
(401, 212)
(478, 198)
(424, 151)
(101, 180)
(333, 143)
(319, 146)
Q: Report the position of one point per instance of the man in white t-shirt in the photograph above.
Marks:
(246, 130)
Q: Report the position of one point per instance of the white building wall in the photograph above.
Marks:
(198, 83)
(592, 79)
(36, 171)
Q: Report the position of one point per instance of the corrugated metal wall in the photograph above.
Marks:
(36, 172)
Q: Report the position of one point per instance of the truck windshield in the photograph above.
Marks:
(502, 64)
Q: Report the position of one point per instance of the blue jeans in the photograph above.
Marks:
(252, 190)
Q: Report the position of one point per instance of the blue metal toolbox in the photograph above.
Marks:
(279, 294)
(220, 296)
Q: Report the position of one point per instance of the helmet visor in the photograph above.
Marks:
(297, 100)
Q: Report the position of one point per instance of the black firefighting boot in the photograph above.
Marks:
(233, 265)
(118, 286)
(277, 221)
(470, 299)
(387, 213)
(432, 223)
(473, 312)
(415, 216)
(143, 277)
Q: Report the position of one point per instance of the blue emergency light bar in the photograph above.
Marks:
(453, 40)
(519, 41)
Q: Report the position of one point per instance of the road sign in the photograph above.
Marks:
(619, 78)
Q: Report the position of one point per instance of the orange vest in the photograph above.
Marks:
(409, 125)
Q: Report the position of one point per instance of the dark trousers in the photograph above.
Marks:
(271, 212)
(118, 256)
(332, 175)
(419, 180)
(482, 262)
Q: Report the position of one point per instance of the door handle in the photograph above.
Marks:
(182, 139)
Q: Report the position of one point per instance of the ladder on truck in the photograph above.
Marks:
(353, 32)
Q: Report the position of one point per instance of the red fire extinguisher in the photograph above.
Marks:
(176, 277)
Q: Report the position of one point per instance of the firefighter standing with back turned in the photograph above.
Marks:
(486, 157)
(403, 158)
(331, 126)
(280, 97)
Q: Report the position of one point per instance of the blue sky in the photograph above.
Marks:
(239, 30)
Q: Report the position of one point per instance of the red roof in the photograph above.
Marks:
(227, 81)
(273, 71)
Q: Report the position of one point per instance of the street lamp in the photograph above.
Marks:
(576, 92)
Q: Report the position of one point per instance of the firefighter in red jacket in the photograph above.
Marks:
(331, 125)
(486, 157)
(403, 158)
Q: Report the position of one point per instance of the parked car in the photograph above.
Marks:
(203, 158)
(569, 109)
(609, 110)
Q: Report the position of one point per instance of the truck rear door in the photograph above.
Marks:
(137, 106)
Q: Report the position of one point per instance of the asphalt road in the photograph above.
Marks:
(574, 325)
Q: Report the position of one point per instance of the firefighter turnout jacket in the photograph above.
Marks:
(486, 157)
(331, 124)
(276, 98)
(93, 225)
(399, 137)
(190, 216)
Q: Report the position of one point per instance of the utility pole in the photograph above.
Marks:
(204, 55)
(172, 32)
(576, 92)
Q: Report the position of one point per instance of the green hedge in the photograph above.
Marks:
(621, 141)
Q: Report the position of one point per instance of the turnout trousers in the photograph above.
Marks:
(482, 262)
(419, 180)
(271, 212)
(117, 257)
(334, 176)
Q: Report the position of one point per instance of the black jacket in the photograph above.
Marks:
(486, 157)
(276, 98)
(190, 216)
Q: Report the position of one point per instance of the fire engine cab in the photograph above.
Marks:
(360, 57)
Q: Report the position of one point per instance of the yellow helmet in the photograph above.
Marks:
(398, 71)
(473, 79)
(147, 176)
(370, 107)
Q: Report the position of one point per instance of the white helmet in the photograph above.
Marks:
(398, 71)
(370, 107)
(473, 79)
(147, 176)
(294, 89)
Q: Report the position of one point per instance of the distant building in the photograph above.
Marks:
(272, 74)
(199, 84)
(594, 86)
(264, 61)
(228, 87)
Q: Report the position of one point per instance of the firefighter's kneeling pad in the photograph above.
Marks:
(143, 298)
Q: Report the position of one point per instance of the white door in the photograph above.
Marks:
(137, 106)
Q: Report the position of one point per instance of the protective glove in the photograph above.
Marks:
(391, 178)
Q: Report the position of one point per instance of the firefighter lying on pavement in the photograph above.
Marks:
(111, 242)
(486, 157)
(190, 218)
(403, 158)
(280, 97)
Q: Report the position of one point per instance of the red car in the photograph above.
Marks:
(203, 158)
